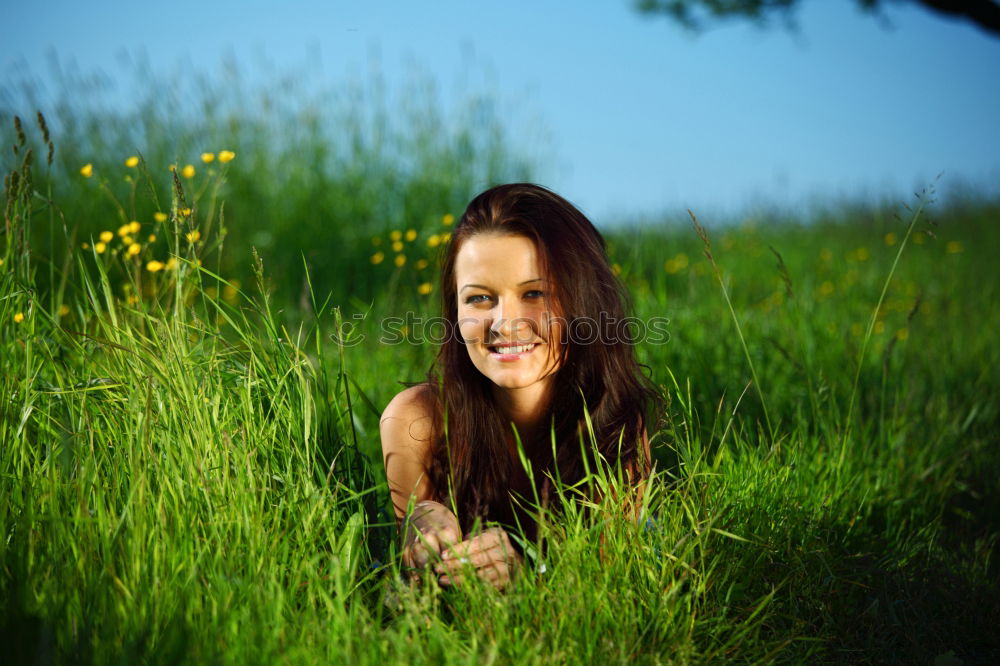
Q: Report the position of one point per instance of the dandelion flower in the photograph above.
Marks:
(171, 263)
(154, 266)
(85, 246)
(395, 235)
(134, 249)
(124, 230)
(193, 236)
(400, 260)
(424, 289)
(160, 217)
(63, 310)
(953, 247)
(87, 170)
(208, 158)
(616, 269)
(106, 236)
(132, 162)
(127, 240)
(377, 258)
(434, 240)
(152, 238)
(18, 317)
(420, 264)
(890, 238)
(188, 171)
(446, 237)
(184, 212)
(397, 246)
(133, 227)
(100, 247)
(447, 219)
(411, 235)
(226, 156)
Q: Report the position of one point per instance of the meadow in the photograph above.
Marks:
(194, 354)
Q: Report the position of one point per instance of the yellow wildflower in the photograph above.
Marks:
(230, 291)
(676, 264)
(154, 266)
(63, 310)
(127, 240)
(188, 171)
(171, 263)
(890, 238)
(133, 227)
(207, 158)
(124, 230)
(411, 235)
(400, 260)
(193, 236)
(421, 264)
(100, 247)
(160, 217)
(902, 334)
(953, 247)
(377, 258)
(616, 269)
(434, 240)
(395, 235)
(152, 238)
(106, 236)
(447, 219)
(424, 288)
(184, 212)
(85, 246)
(134, 249)
(87, 170)
(226, 156)
(19, 317)
(446, 237)
(397, 246)
(132, 162)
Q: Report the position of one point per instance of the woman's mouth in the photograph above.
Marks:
(508, 352)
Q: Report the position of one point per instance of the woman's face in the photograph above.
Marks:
(505, 312)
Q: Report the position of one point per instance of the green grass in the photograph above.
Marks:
(191, 473)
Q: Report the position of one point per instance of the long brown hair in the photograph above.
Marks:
(470, 454)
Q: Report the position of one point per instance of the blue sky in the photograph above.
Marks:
(628, 115)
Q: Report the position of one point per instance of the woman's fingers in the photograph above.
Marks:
(489, 555)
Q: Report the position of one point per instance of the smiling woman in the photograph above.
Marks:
(524, 275)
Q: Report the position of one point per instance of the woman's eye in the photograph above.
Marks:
(534, 294)
(476, 298)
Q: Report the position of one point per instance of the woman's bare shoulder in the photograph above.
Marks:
(408, 419)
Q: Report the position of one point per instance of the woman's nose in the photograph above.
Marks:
(510, 319)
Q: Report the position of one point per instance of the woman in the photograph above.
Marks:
(535, 315)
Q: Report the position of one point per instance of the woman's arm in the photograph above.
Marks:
(406, 429)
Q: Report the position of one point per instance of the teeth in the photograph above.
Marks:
(517, 349)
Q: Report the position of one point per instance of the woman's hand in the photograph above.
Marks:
(489, 554)
(430, 528)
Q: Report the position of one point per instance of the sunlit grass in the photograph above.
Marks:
(190, 466)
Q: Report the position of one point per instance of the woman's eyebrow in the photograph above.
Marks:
(479, 286)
